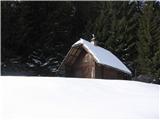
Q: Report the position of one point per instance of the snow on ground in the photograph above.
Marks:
(53, 97)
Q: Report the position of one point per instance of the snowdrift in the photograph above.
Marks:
(54, 97)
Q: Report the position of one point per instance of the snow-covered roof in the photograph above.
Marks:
(103, 56)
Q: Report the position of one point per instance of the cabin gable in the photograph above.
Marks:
(83, 66)
(85, 60)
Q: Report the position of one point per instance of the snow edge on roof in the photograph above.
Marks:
(85, 42)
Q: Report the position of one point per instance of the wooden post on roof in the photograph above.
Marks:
(92, 62)
(93, 40)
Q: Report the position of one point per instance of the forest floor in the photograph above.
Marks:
(64, 98)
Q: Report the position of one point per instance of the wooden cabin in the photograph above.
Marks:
(87, 60)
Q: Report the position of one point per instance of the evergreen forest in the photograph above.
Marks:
(36, 35)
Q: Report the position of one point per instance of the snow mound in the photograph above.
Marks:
(103, 56)
(53, 97)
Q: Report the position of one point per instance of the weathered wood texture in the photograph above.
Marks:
(85, 66)
(82, 66)
(106, 72)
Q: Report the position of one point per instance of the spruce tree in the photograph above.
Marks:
(155, 31)
(148, 45)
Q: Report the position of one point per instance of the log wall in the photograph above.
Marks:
(83, 66)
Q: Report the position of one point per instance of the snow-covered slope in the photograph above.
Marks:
(52, 97)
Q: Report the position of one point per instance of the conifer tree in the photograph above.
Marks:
(155, 32)
(148, 45)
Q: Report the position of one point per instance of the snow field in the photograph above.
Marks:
(66, 98)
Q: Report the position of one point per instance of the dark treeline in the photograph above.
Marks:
(37, 35)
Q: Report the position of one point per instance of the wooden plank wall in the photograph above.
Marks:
(82, 65)
(105, 72)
